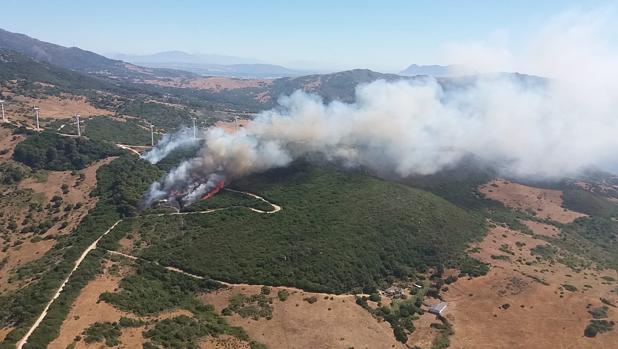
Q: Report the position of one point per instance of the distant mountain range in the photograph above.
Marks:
(212, 65)
(179, 57)
(431, 70)
(79, 60)
(83, 73)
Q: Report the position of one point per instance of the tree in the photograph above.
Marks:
(400, 334)
(375, 297)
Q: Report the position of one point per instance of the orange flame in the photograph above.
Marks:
(214, 190)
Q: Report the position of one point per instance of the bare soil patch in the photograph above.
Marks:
(521, 302)
(63, 107)
(4, 332)
(328, 323)
(544, 203)
(86, 310)
(230, 126)
(542, 228)
(424, 334)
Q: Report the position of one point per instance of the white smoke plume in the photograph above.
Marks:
(542, 129)
(170, 142)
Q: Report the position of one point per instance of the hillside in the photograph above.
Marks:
(336, 232)
(76, 59)
(61, 92)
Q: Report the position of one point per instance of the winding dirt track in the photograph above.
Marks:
(24, 340)
(79, 261)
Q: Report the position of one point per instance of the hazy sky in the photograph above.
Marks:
(381, 35)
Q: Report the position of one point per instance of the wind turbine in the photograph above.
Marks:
(36, 111)
(194, 129)
(79, 131)
(2, 105)
(152, 135)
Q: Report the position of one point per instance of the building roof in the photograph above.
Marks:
(438, 308)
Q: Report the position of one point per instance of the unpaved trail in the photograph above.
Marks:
(24, 340)
(79, 261)
(125, 147)
(276, 208)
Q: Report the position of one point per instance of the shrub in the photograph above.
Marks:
(311, 299)
(598, 326)
(103, 331)
(400, 334)
(375, 297)
(283, 295)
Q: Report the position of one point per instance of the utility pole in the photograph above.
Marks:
(36, 111)
(3, 116)
(79, 131)
(152, 135)
(194, 129)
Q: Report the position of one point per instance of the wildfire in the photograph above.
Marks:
(214, 190)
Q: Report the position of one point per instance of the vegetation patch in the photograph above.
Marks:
(569, 288)
(107, 332)
(445, 330)
(337, 231)
(599, 312)
(598, 326)
(153, 289)
(19, 309)
(50, 151)
(108, 129)
(545, 252)
(583, 201)
(255, 306)
(283, 295)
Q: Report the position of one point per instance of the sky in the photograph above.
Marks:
(332, 35)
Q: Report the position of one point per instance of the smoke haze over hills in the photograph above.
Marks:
(545, 130)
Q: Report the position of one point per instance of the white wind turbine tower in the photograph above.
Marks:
(36, 112)
(194, 129)
(152, 135)
(79, 131)
(2, 105)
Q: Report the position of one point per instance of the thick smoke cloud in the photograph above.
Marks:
(172, 141)
(527, 127)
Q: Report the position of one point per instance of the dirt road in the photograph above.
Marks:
(79, 261)
(24, 340)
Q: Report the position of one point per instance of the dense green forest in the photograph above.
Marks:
(337, 231)
(49, 151)
(123, 182)
(111, 130)
(227, 198)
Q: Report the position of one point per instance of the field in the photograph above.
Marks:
(544, 203)
(331, 322)
(522, 303)
(64, 106)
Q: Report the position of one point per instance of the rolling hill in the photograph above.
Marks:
(76, 59)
